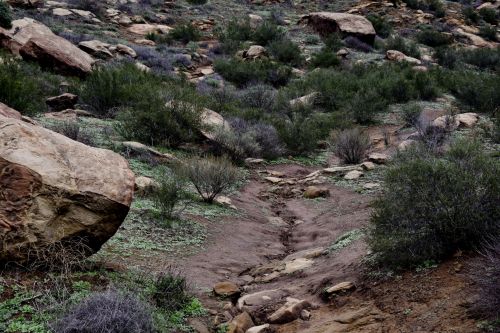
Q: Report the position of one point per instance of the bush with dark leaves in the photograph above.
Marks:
(72, 130)
(489, 32)
(325, 58)
(357, 44)
(266, 33)
(433, 206)
(381, 25)
(185, 33)
(5, 15)
(110, 312)
(434, 38)
(286, 51)
(171, 291)
(489, 15)
(400, 44)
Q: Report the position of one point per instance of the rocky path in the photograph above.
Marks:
(291, 264)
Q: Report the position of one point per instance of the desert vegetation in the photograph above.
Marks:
(168, 166)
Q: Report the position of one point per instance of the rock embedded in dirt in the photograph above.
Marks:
(340, 288)
(342, 170)
(313, 192)
(274, 180)
(62, 102)
(367, 166)
(255, 52)
(467, 120)
(143, 29)
(133, 147)
(145, 186)
(355, 174)
(261, 303)
(326, 23)
(57, 191)
(227, 289)
(406, 144)
(266, 328)
(96, 48)
(241, 323)
(289, 312)
(34, 41)
(399, 56)
(212, 121)
(446, 123)
(307, 100)
(378, 158)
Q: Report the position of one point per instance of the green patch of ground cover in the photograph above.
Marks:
(345, 240)
(318, 159)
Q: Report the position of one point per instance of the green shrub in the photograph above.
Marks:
(381, 25)
(411, 113)
(73, 130)
(236, 145)
(400, 44)
(210, 176)
(5, 15)
(286, 51)
(184, 33)
(433, 206)
(266, 33)
(489, 15)
(484, 58)
(170, 291)
(243, 73)
(325, 58)
(434, 38)
(365, 105)
(170, 194)
(350, 145)
(25, 87)
(489, 32)
(471, 15)
(333, 42)
(437, 7)
(476, 90)
(232, 35)
(446, 57)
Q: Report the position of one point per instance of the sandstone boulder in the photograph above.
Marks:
(398, 56)
(355, 174)
(289, 312)
(255, 52)
(8, 112)
(468, 119)
(378, 158)
(143, 29)
(145, 185)
(313, 192)
(227, 289)
(55, 191)
(326, 23)
(96, 48)
(240, 324)
(34, 41)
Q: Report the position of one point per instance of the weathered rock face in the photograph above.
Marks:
(8, 112)
(33, 40)
(326, 23)
(54, 190)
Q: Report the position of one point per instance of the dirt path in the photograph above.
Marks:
(282, 241)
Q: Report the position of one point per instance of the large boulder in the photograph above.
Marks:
(326, 23)
(56, 191)
(8, 112)
(34, 41)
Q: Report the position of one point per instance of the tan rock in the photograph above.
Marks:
(341, 287)
(398, 56)
(313, 192)
(143, 29)
(468, 119)
(57, 189)
(274, 180)
(62, 102)
(137, 147)
(378, 158)
(8, 112)
(241, 323)
(255, 20)
(62, 12)
(260, 329)
(145, 42)
(351, 175)
(145, 185)
(446, 122)
(347, 24)
(368, 165)
(307, 100)
(289, 312)
(227, 289)
(96, 48)
(255, 52)
(342, 170)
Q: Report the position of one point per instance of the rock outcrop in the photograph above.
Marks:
(326, 23)
(34, 41)
(55, 190)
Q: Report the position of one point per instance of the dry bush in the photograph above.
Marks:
(110, 312)
(210, 176)
(350, 145)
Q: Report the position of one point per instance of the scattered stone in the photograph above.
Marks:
(254, 161)
(256, 302)
(398, 56)
(368, 165)
(124, 49)
(144, 28)
(406, 144)
(277, 221)
(62, 102)
(274, 180)
(145, 42)
(137, 147)
(255, 52)
(378, 158)
(468, 119)
(289, 312)
(295, 265)
(313, 192)
(341, 287)
(211, 120)
(371, 186)
(255, 20)
(34, 41)
(57, 189)
(61, 12)
(227, 289)
(307, 100)
(224, 201)
(351, 175)
(145, 185)
(326, 23)
(240, 324)
(343, 53)
(142, 67)
(198, 325)
(305, 315)
(342, 170)
(260, 329)
(446, 123)
(96, 48)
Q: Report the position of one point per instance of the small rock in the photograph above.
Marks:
(289, 312)
(224, 201)
(406, 144)
(124, 49)
(259, 329)
(61, 12)
(341, 287)
(342, 170)
(371, 186)
(274, 180)
(312, 192)
(62, 102)
(227, 289)
(378, 158)
(468, 119)
(96, 48)
(255, 52)
(255, 20)
(368, 165)
(447, 123)
(253, 161)
(145, 42)
(305, 315)
(297, 265)
(145, 185)
(240, 324)
(343, 53)
(351, 175)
